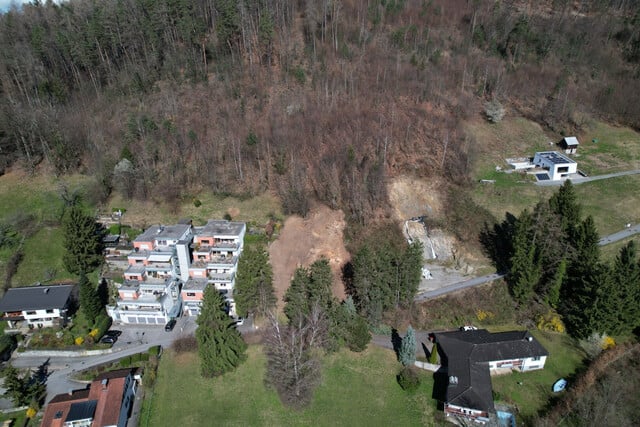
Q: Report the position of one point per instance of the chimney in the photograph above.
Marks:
(105, 381)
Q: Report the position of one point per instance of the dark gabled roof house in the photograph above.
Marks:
(35, 298)
(469, 357)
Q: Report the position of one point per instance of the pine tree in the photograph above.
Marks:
(358, 337)
(297, 303)
(220, 345)
(411, 272)
(565, 204)
(525, 271)
(407, 353)
(554, 289)
(626, 276)
(82, 241)
(320, 282)
(254, 291)
(90, 303)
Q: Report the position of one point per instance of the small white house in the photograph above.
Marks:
(569, 144)
(38, 306)
(557, 165)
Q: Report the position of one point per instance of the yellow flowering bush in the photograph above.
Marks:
(79, 340)
(94, 332)
(608, 343)
(484, 314)
(550, 322)
(31, 412)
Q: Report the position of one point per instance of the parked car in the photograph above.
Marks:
(468, 328)
(239, 321)
(113, 333)
(170, 325)
(108, 339)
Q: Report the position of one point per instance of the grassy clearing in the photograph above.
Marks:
(251, 209)
(611, 251)
(531, 391)
(357, 389)
(612, 202)
(616, 149)
(42, 260)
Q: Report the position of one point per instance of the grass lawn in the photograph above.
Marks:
(534, 393)
(42, 258)
(357, 389)
(251, 209)
(18, 417)
(617, 149)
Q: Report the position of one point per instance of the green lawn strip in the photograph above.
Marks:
(616, 149)
(531, 391)
(612, 202)
(42, 258)
(357, 389)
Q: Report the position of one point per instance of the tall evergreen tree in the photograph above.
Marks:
(407, 353)
(220, 345)
(554, 289)
(297, 303)
(253, 290)
(320, 282)
(82, 241)
(90, 302)
(626, 277)
(525, 271)
(410, 273)
(565, 204)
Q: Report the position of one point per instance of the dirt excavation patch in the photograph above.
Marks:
(304, 240)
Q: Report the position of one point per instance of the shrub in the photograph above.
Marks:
(408, 379)
(494, 111)
(94, 332)
(155, 350)
(550, 322)
(185, 344)
(197, 203)
(103, 323)
(31, 412)
(79, 340)
(433, 357)
(125, 361)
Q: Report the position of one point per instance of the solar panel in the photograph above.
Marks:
(542, 177)
(555, 157)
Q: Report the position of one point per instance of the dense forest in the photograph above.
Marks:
(312, 99)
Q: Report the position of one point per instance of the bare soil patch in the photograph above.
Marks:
(303, 241)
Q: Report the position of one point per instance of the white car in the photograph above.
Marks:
(240, 321)
(468, 328)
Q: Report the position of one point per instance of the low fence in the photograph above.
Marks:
(426, 366)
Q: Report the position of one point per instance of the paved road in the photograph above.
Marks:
(620, 235)
(583, 179)
(458, 286)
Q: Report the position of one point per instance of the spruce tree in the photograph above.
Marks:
(554, 289)
(253, 290)
(525, 271)
(320, 281)
(90, 302)
(220, 345)
(626, 276)
(407, 353)
(82, 241)
(297, 302)
(565, 204)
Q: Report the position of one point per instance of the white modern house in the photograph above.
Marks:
(557, 165)
(38, 306)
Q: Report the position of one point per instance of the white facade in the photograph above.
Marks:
(43, 318)
(557, 164)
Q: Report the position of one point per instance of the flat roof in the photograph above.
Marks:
(195, 285)
(163, 232)
(555, 157)
(40, 297)
(221, 227)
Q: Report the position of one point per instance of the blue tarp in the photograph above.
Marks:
(559, 385)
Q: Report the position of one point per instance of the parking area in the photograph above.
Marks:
(143, 334)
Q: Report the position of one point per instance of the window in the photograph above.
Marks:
(31, 312)
(50, 310)
(191, 294)
(536, 358)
